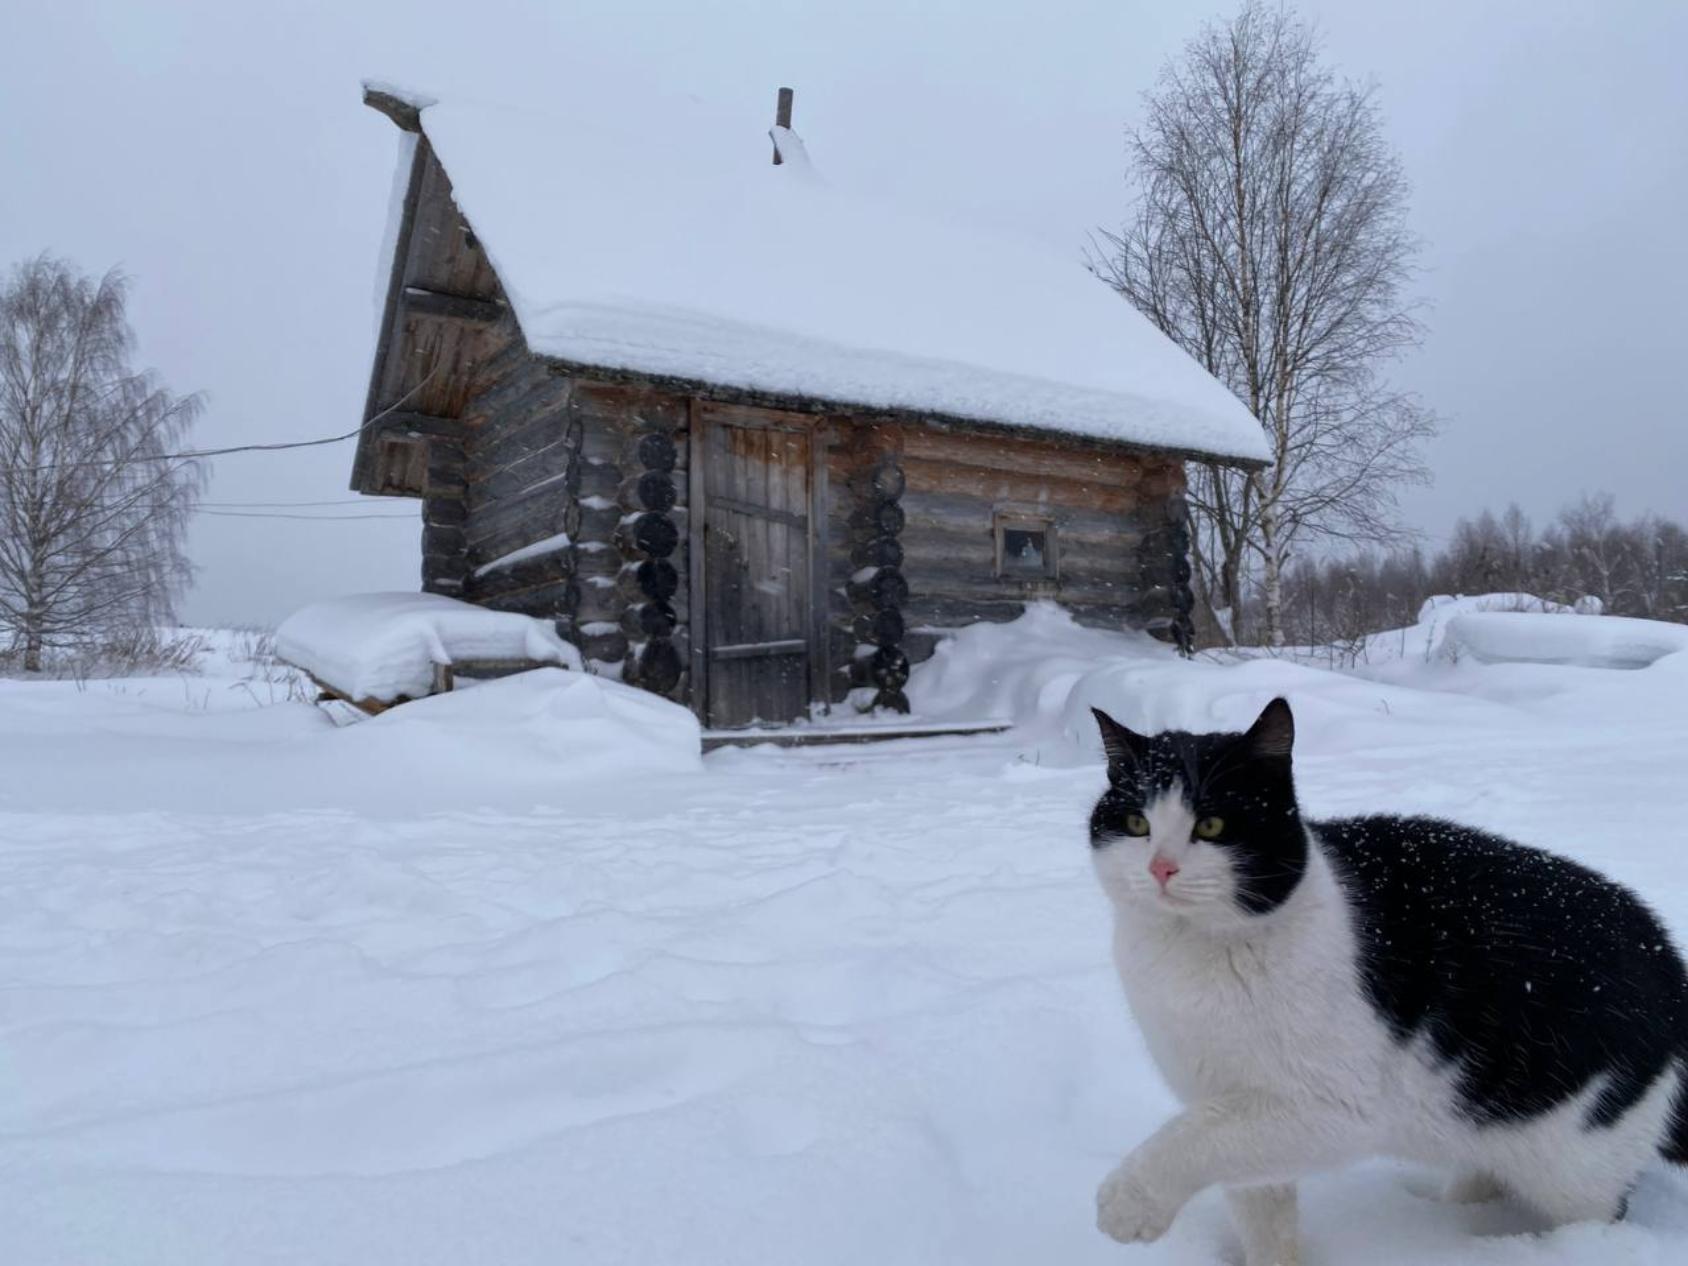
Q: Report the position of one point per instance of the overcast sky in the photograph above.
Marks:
(218, 154)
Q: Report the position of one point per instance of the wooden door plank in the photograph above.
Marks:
(697, 502)
(759, 443)
(758, 570)
(819, 595)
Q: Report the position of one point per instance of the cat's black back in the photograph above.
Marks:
(1532, 974)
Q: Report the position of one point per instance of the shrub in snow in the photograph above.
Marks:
(384, 646)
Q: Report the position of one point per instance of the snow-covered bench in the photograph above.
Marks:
(375, 650)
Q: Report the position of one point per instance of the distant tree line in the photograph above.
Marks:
(1634, 568)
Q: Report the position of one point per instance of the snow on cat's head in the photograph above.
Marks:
(1201, 827)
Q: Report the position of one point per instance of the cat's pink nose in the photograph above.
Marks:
(1162, 869)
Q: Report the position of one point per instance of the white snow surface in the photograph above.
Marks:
(463, 984)
(1445, 606)
(660, 237)
(384, 646)
(1591, 641)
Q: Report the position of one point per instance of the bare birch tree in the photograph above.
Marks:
(93, 509)
(1269, 241)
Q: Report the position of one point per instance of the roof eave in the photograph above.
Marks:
(821, 404)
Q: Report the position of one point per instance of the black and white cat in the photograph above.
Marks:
(1320, 992)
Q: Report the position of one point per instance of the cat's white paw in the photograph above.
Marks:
(1128, 1211)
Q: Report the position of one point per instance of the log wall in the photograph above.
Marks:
(910, 529)
(1114, 514)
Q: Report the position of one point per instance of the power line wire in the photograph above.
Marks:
(197, 453)
(281, 505)
(309, 518)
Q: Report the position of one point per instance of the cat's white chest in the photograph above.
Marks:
(1277, 1015)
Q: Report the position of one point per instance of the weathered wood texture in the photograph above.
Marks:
(445, 317)
(867, 587)
(1103, 506)
(758, 548)
(521, 508)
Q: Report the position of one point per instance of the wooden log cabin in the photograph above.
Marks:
(751, 442)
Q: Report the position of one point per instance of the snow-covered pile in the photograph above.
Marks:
(1044, 673)
(384, 646)
(1496, 637)
(666, 242)
(1022, 671)
(1445, 606)
(576, 725)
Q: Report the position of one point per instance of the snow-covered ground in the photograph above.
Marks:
(419, 990)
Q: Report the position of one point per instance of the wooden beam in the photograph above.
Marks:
(782, 118)
(696, 578)
(439, 305)
(405, 115)
(420, 424)
(759, 650)
(712, 393)
(397, 271)
(817, 736)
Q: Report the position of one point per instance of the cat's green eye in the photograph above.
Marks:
(1136, 824)
(1210, 828)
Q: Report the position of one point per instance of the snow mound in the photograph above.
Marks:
(695, 257)
(1045, 672)
(570, 725)
(1020, 671)
(384, 646)
(1608, 641)
(1445, 606)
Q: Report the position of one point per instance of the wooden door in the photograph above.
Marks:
(757, 544)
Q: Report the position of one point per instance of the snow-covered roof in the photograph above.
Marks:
(662, 240)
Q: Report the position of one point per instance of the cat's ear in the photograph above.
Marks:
(1273, 735)
(1124, 747)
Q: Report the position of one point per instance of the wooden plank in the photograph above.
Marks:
(753, 510)
(695, 581)
(753, 650)
(1052, 456)
(927, 476)
(403, 114)
(820, 643)
(756, 553)
(824, 737)
(440, 306)
(753, 417)
(412, 423)
(389, 309)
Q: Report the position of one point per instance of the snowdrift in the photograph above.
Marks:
(547, 725)
(1502, 637)
(1044, 672)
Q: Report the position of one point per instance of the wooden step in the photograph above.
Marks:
(832, 735)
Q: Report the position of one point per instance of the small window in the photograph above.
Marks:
(1025, 548)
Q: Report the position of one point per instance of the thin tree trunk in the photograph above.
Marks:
(1274, 578)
